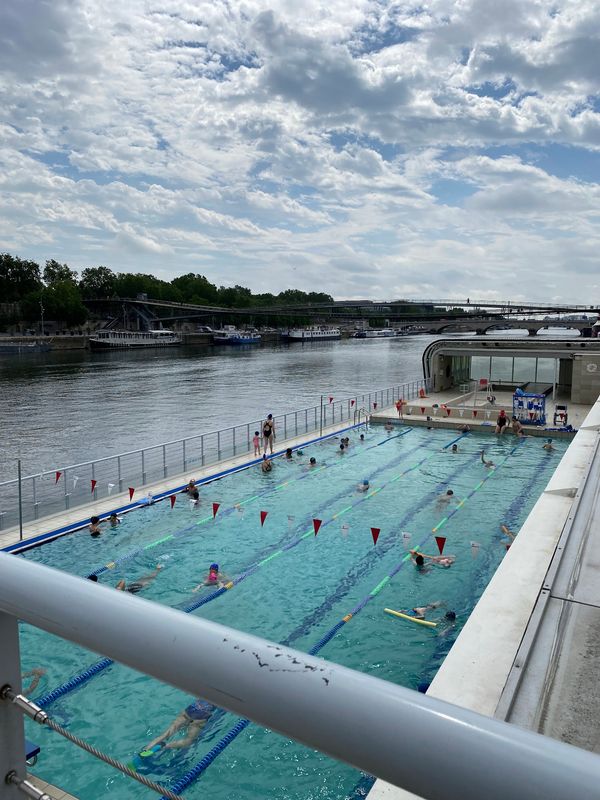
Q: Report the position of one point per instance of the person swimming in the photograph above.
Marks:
(94, 527)
(289, 453)
(193, 717)
(313, 461)
(214, 578)
(363, 486)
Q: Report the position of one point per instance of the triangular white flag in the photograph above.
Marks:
(488, 414)
(75, 479)
(111, 486)
(435, 411)
(461, 412)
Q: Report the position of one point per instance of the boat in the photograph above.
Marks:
(379, 333)
(231, 335)
(124, 340)
(317, 333)
(24, 348)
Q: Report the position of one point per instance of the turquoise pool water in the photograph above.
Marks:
(301, 586)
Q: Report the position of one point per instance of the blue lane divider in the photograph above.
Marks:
(95, 669)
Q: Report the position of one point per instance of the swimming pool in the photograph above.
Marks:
(289, 586)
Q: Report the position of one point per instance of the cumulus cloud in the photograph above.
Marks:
(367, 148)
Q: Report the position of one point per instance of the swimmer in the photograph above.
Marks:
(389, 427)
(446, 498)
(363, 486)
(488, 464)
(342, 448)
(517, 428)
(256, 443)
(194, 717)
(37, 673)
(454, 448)
(191, 487)
(268, 432)
(214, 578)
(362, 437)
(507, 532)
(313, 461)
(289, 454)
(548, 446)
(94, 527)
(135, 586)
(421, 611)
(420, 559)
(266, 465)
(464, 428)
(114, 520)
(194, 498)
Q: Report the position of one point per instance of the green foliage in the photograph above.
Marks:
(58, 273)
(17, 277)
(198, 286)
(97, 282)
(61, 302)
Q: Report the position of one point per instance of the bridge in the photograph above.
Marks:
(432, 316)
(483, 326)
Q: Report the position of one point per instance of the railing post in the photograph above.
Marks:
(34, 497)
(164, 452)
(296, 421)
(93, 478)
(233, 440)
(202, 449)
(67, 501)
(248, 438)
(184, 455)
(143, 467)
(119, 478)
(218, 445)
(12, 739)
(285, 426)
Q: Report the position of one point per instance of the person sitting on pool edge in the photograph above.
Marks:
(501, 422)
(193, 717)
(94, 527)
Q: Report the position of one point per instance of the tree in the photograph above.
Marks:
(58, 273)
(17, 278)
(97, 282)
(61, 302)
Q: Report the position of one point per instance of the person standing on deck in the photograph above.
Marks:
(268, 432)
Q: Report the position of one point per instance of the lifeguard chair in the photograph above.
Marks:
(561, 416)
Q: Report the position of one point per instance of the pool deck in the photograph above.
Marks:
(530, 651)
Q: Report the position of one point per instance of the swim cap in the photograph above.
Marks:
(365, 481)
(451, 615)
(214, 566)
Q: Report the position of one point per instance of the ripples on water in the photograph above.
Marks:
(64, 408)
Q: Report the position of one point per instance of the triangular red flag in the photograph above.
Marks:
(375, 534)
(131, 491)
(374, 405)
(317, 524)
(215, 509)
(263, 516)
(93, 482)
(448, 411)
(422, 409)
(330, 399)
(57, 475)
(352, 403)
(441, 541)
(172, 499)
(474, 412)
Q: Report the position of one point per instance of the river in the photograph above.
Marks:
(62, 408)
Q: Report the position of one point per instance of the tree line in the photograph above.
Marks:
(26, 289)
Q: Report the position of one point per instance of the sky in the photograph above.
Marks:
(367, 149)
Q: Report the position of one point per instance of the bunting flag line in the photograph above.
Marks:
(263, 516)
(375, 534)
(111, 486)
(441, 541)
(488, 414)
(93, 482)
(422, 409)
(215, 508)
(131, 491)
(331, 398)
(448, 411)
(317, 524)
(173, 498)
(352, 402)
(375, 406)
(435, 411)
(474, 413)
(461, 412)
(75, 479)
(57, 475)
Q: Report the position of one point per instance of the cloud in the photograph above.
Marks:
(365, 148)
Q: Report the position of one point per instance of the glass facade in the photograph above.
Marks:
(505, 369)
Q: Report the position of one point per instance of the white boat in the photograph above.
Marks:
(124, 340)
(230, 335)
(317, 333)
(379, 333)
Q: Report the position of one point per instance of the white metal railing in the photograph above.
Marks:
(432, 748)
(66, 487)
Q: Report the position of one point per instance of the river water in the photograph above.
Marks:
(62, 408)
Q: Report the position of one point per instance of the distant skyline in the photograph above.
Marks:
(365, 149)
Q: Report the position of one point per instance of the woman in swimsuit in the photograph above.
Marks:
(268, 431)
(501, 422)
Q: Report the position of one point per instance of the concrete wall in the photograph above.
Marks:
(586, 378)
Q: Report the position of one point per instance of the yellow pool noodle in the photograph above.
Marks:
(411, 619)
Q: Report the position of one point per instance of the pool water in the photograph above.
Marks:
(301, 586)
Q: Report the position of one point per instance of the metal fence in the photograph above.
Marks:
(66, 487)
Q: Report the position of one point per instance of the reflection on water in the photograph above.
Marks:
(65, 408)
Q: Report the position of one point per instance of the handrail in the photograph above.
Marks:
(95, 479)
(386, 730)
